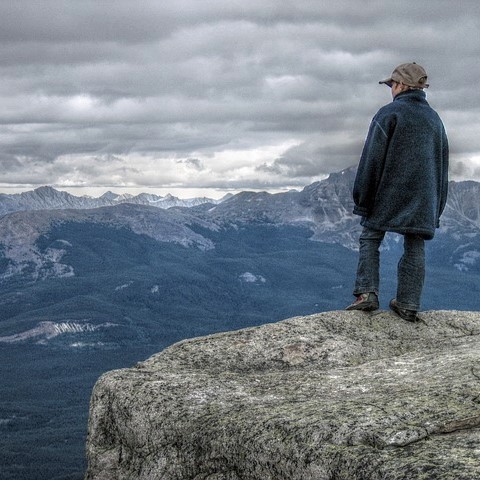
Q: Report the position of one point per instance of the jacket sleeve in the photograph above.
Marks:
(444, 173)
(371, 165)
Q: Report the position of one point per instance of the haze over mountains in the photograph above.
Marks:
(88, 285)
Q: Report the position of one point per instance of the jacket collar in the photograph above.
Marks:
(418, 95)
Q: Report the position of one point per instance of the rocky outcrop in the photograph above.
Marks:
(337, 395)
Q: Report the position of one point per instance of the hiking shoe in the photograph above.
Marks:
(408, 315)
(366, 302)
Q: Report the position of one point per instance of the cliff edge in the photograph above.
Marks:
(337, 395)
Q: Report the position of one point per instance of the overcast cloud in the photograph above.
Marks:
(220, 94)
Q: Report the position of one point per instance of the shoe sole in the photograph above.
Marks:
(398, 313)
(364, 307)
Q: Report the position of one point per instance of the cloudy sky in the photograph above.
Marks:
(190, 96)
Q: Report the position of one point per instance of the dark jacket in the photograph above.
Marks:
(402, 179)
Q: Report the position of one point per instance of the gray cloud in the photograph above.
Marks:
(246, 93)
(313, 158)
(194, 163)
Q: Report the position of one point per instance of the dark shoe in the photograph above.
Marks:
(366, 302)
(408, 315)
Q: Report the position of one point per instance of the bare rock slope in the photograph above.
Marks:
(337, 395)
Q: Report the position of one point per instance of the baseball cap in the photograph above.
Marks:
(410, 74)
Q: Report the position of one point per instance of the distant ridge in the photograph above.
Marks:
(48, 198)
(326, 204)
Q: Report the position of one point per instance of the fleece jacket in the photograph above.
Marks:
(402, 178)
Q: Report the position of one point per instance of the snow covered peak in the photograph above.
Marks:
(48, 198)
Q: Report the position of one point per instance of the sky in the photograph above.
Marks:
(208, 96)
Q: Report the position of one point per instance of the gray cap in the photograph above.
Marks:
(410, 74)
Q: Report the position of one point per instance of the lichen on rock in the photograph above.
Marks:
(337, 395)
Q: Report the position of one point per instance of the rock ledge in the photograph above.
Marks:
(338, 395)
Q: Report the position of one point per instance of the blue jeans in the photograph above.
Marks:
(410, 272)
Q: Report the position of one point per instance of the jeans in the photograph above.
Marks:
(410, 272)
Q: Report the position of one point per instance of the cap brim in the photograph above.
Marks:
(387, 81)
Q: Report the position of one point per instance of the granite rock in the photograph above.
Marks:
(332, 396)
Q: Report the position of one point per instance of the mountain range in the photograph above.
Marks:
(324, 208)
(89, 285)
(47, 198)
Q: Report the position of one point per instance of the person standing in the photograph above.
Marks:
(401, 186)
